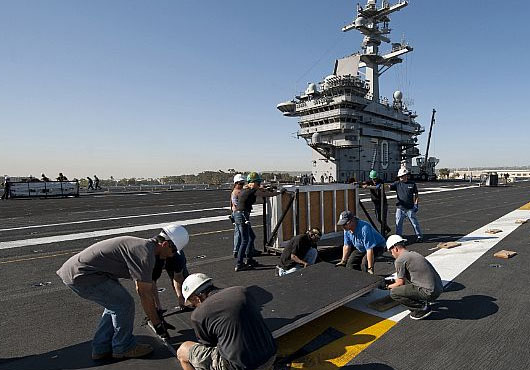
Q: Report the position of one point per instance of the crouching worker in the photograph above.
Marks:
(417, 282)
(229, 326)
(362, 243)
(93, 274)
(300, 252)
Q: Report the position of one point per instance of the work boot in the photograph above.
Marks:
(252, 262)
(140, 350)
(101, 356)
(419, 239)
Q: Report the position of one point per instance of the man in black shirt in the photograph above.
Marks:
(229, 327)
(247, 197)
(407, 203)
(375, 184)
(300, 252)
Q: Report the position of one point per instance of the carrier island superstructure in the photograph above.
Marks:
(350, 128)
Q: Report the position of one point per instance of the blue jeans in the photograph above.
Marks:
(411, 215)
(114, 332)
(247, 236)
(237, 236)
(310, 257)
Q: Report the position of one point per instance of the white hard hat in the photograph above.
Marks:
(393, 240)
(178, 235)
(238, 178)
(194, 284)
(403, 172)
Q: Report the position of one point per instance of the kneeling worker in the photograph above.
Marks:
(300, 252)
(417, 282)
(93, 274)
(362, 243)
(229, 326)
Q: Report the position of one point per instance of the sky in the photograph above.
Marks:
(130, 88)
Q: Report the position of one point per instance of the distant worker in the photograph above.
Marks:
(417, 283)
(247, 197)
(7, 187)
(93, 274)
(62, 177)
(90, 184)
(175, 266)
(96, 183)
(300, 252)
(44, 178)
(239, 182)
(228, 324)
(362, 243)
(407, 203)
(375, 185)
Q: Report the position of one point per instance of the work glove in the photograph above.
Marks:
(161, 330)
(415, 208)
(370, 270)
(383, 285)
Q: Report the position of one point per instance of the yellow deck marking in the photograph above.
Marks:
(526, 207)
(360, 329)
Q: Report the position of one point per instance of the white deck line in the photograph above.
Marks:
(451, 262)
(117, 231)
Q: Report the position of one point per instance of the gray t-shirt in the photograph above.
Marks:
(123, 257)
(415, 268)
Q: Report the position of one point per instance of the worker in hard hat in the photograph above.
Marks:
(407, 203)
(300, 252)
(375, 185)
(239, 182)
(175, 265)
(247, 197)
(228, 324)
(362, 243)
(7, 187)
(417, 283)
(93, 274)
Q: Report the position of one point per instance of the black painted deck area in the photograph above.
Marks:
(482, 324)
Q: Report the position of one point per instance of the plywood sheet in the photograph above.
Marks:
(287, 224)
(302, 201)
(329, 216)
(351, 201)
(340, 201)
(448, 245)
(505, 254)
(315, 209)
(493, 231)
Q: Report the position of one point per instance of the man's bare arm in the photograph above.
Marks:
(147, 298)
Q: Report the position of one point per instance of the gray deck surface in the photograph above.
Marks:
(480, 323)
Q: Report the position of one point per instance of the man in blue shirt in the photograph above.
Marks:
(362, 243)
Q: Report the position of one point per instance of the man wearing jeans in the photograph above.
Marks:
(300, 252)
(93, 274)
(417, 282)
(407, 203)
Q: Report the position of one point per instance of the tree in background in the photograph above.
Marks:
(444, 173)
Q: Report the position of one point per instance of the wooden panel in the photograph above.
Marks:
(351, 201)
(341, 203)
(287, 224)
(314, 204)
(302, 197)
(329, 217)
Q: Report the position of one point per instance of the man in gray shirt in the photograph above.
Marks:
(93, 274)
(417, 282)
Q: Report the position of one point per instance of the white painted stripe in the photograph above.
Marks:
(451, 262)
(429, 191)
(114, 218)
(118, 231)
